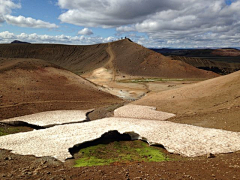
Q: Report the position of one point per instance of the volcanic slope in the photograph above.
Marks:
(29, 86)
(133, 59)
(213, 103)
(122, 58)
(77, 59)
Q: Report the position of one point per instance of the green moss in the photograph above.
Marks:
(147, 80)
(119, 152)
(9, 130)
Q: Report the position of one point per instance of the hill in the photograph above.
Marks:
(77, 59)
(133, 59)
(121, 57)
(210, 65)
(221, 61)
(228, 52)
(19, 42)
(30, 85)
(212, 103)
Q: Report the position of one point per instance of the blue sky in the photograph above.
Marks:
(152, 23)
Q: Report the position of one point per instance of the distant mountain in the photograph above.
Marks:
(221, 61)
(19, 42)
(230, 52)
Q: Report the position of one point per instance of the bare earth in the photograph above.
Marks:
(32, 85)
(213, 103)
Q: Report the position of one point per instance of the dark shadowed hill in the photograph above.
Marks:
(78, 59)
(221, 61)
(29, 86)
(229, 52)
(19, 42)
(126, 57)
(210, 65)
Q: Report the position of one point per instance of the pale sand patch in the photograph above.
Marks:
(50, 118)
(181, 139)
(141, 112)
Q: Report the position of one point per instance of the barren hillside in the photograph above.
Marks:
(212, 103)
(29, 86)
(133, 59)
(78, 59)
(129, 58)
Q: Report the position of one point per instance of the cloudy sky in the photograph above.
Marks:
(152, 23)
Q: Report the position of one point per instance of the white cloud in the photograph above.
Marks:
(7, 37)
(201, 41)
(28, 22)
(6, 7)
(111, 13)
(85, 31)
(180, 22)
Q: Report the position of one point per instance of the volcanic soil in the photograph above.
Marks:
(29, 86)
(225, 166)
(130, 59)
(213, 103)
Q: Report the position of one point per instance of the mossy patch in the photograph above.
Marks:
(148, 80)
(119, 152)
(6, 129)
(9, 130)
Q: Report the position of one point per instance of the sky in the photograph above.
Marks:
(151, 23)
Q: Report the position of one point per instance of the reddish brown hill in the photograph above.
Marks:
(212, 103)
(133, 59)
(226, 52)
(129, 58)
(29, 86)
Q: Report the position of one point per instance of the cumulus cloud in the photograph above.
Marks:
(111, 13)
(28, 22)
(173, 22)
(6, 7)
(7, 37)
(85, 31)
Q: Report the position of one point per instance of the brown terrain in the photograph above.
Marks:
(29, 86)
(226, 52)
(130, 58)
(39, 77)
(213, 103)
(136, 60)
